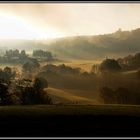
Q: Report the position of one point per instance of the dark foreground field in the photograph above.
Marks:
(69, 121)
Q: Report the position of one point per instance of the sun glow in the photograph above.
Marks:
(13, 27)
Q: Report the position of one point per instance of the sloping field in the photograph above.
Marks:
(45, 110)
(71, 96)
(33, 111)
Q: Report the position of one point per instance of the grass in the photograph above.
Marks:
(35, 110)
(69, 121)
(72, 96)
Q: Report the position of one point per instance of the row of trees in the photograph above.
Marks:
(15, 53)
(60, 69)
(43, 54)
(119, 96)
(17, 57)
(130, 62)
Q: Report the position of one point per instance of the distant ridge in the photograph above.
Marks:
(114, 45)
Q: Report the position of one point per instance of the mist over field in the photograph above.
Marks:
(78, 68)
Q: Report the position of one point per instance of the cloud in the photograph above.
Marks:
(72, 19)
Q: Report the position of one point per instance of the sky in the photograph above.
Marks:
(52, 20)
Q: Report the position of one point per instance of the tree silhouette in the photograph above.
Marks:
(110, 65)
(40, 83)
(31, 65)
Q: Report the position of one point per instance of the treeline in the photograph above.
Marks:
(130, 62)
(42, 54)
(60, 69)
(120, 96)
(21, 57)
(14, 57)
(63, 70)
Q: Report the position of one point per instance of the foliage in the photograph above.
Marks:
(35, 94)
(31, 65)
(22, 91)
(6, 74)
(41, 53)
(119, 96)
(60, 69)
(110, 65)
(40, 83)
(130, 62)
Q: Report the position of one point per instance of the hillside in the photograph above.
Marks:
(97, 47)
(72, 97)
(117, 44)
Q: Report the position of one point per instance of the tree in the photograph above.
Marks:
(4, 94)
(135, 62)
(119, 96)
(35, 94)
(40, 83)
(138, 74)
(23, 54)
(31, 65)
(107, 95)
(6, 74)
(123, 96)
(109, 65)
(41, 53)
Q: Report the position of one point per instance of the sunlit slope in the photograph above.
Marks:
(70, 97)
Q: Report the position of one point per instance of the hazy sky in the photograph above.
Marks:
(66, 19)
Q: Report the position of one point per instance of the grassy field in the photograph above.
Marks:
(69, 121)
(35, 110)
(72, 96)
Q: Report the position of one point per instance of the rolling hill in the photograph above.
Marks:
(63, 96)
(114, 45)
